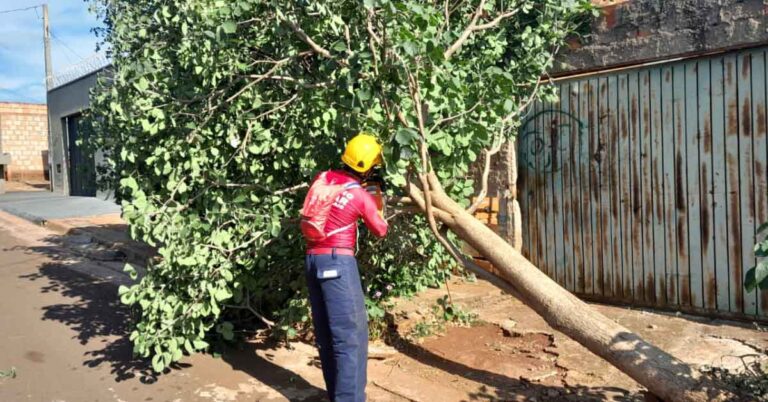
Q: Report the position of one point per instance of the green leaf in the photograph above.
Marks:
(406, 136)
(200, 344)
(229, 27)
(157, 363)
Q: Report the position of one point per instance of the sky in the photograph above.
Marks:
(22, 62)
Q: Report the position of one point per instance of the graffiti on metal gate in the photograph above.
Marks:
(546, 137)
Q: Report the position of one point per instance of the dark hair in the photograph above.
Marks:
(353, 172)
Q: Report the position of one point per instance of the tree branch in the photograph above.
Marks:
(260, 77)
(306, 39)
(473, 27)
(486, 172)
(248, 307)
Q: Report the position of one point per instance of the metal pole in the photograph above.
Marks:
(47, 44)
(48, 84)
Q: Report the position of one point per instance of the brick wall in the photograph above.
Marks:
(636, 31)
(24, 135)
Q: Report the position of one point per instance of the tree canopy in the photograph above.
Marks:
(218, 113)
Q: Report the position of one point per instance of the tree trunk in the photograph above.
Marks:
(664, 375)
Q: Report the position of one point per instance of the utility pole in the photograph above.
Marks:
(48, 85)
(47, 44)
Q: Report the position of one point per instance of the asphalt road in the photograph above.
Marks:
(66, 335)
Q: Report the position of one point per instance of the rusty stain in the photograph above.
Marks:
(746, 121)
(685, 290)
(745, 66)
(682, 242)
(705, 229)
(760, 120)
(663, 287)
(679, 186)
(710, 291)
(650, 290)
(729, 73)
(672, 288)
(735, 241)
(707, 134)
(733, 118)
(760, 180)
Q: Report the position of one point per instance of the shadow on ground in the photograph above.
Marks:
(497, 387)
(95, 312)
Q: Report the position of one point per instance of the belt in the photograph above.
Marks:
(331, 250)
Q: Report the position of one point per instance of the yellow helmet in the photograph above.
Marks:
(362, 153)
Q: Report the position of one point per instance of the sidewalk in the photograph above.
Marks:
(102, 233)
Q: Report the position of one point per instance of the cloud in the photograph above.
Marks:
(22, 63)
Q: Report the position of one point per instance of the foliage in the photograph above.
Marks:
(752, 380)
(452, 313)
(757, 276)
(219, 111)
(443, 312)
(10, 373)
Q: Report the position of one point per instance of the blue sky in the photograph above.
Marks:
(22, 64)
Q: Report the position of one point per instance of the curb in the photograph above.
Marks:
(136, 254)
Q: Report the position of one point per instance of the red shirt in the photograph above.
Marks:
(353, 204)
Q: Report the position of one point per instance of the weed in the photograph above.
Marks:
(10, 373)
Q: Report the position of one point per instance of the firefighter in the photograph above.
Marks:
(335, 202)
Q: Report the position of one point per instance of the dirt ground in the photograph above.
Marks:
(529, 360)
(66, 335)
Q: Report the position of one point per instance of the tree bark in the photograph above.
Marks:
(664, 375)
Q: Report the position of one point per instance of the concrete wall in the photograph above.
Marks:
(66, 100)
(637, 31)
(24, 135)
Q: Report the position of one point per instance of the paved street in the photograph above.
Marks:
(40, 206)
(66, 335)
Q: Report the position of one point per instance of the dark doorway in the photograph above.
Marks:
(82, 168)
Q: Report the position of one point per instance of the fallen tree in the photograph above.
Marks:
(218, 114)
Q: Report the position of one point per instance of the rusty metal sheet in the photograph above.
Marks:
(541, 194)
(556, 235)
(638, 277)
(706, 222)
(650, 183)
(719, 188)
(601, 160)
(613, 164)
(657, 190)
(760, 136)
(681, 185)
(646, 214)
(625, 187)
(692, 191)
(544, 167)
(571, 238)
(589, 182)
(586, 207)
(746, 175)
(670, 214)
(576, 135)
(733, 202)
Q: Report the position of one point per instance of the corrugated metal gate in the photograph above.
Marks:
(647, 185)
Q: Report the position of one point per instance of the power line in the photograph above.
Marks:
(53, 35)
(20, 9)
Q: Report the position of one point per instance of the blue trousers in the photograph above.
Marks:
(341, 324)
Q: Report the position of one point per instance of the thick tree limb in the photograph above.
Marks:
(489, 153)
